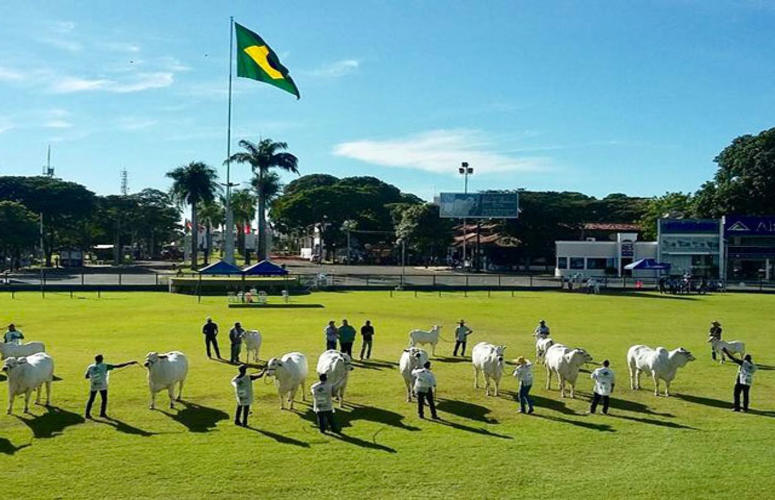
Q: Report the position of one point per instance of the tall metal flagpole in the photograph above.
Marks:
(228, 241)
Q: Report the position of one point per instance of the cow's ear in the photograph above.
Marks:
(279, 363)
(406, 350)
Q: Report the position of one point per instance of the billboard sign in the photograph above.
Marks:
(749, 226)
(479, 205)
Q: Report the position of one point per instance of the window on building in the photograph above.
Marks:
(577, 262)
(596, 263)
(562, 263)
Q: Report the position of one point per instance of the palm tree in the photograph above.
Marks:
(212, 216)
(262, 157)
(243, 206)
(193, 184)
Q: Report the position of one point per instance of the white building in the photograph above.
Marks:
(603, 258)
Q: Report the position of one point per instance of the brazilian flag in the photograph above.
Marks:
(256, 60)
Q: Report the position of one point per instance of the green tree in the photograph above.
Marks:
(155, 220)
(20, 232)
(66, 207)
(673, 205)
(423, 231)
(243, 206)
(192, 185)
(262, 157)
(745, 180)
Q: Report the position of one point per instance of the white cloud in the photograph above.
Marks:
(71, 84)
(336, 69)
(121, 47)
(58, 124)
(5, 124)
(10, 75)
(135, 83)
(62, 27)
(439, 151)
(135, 123)
(63, 43)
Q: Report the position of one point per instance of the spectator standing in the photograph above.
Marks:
(367, 334)
(13, 335)
(332, 335)
(210, 331)
(542, 330)
(236, 335)
(346, 338)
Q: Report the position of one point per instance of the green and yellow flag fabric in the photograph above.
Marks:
(256, 60)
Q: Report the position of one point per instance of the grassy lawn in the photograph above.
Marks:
(689, 445)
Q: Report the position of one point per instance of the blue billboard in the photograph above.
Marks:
(689, 226)
(743, 225)
(479, 205)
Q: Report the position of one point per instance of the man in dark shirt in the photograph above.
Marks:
(210, 330)
(367, 333)
(236, 335)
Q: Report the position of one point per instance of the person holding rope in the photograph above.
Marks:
(743, 380)
(97, 374)
(461, 334)
(13, 336)
(714, 334)
(542, 330)
(243, 388)
(323, 404)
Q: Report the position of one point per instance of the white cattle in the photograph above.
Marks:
(12, 350)
(422, 337)
(735, 347)
(565, 363)
(27, 374)
(290, 372)
(252, 342)
(660, 363)
(412, 358)
(542, 345)
(488, 359)
(337, 366)
(164, 371)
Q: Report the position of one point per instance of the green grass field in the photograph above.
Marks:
(687, 446)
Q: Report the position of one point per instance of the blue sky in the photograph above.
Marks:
(593, 96)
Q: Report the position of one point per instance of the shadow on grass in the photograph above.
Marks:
(197, 418)
(552, 404)
(8, 447)
(2, 378)
(465, 409)
(450, 359)
(659, 423)
(373, 444)
(765, 367)
(578, 423)
(374, 364)
(279, 437)
(343, 420)
(623, 404)
(718, 403)
(475, 430)
(360, 412)
(52, 423)
(621, 293)
(124, 427)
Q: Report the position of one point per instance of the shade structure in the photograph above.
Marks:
(220, 267)
(264, 268)
(648, 264)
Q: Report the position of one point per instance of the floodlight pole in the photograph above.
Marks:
(465, 171)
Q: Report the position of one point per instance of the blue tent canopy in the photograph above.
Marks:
(220, 267)
(648, 264)
(264, 268)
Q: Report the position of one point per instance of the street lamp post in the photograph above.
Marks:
(465, 171)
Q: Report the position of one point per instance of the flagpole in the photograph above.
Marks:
(228, 241)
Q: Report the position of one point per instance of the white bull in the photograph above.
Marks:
(164, 371)
(565, 363)
(660, 363)
(542, 345)
(735, 347)
(422, 337)
(337, 366)
(290, 372)
(412, 358)
(252, 342)
(27, 374)
(13, 350)
(488, 359)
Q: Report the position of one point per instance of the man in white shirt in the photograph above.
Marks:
(424, 385)
(323, 404)
(743, 380)
(524, 375)
(97, 374)
(13, 335)
(541, 331)
(243, 389)
(604, 386)
(461, 334)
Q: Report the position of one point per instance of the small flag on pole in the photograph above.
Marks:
(256, 60)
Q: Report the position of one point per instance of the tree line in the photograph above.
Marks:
(363, 211)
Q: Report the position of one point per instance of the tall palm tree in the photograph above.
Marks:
(262, 157)
(193, 184)
(243, 206)
(212, 216)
